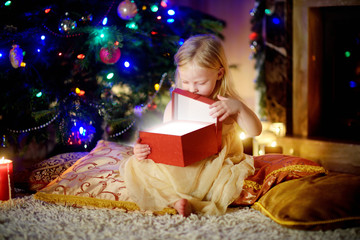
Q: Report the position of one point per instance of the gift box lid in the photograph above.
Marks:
(191, 107)
(188, 106)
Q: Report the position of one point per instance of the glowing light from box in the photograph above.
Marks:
(273, 144)
(42, 37)
(261, 152)
(178, 128)
(7, 3)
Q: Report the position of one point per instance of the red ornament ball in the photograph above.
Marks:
(110, 55)
(127, 9)
(253, 36)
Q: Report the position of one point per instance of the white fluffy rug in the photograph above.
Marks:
(27, 218)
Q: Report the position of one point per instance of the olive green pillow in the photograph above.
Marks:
(314, 202)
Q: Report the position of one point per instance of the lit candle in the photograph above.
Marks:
(6, 170)
(247, 143)
(273, 148)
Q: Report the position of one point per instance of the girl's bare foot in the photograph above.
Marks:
(183, 207)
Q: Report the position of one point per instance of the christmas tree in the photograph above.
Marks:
(88, 69)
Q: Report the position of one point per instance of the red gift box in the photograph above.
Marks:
(190, 136)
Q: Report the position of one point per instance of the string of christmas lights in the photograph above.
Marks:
(143, 109)
(123, 131)
(35, 128)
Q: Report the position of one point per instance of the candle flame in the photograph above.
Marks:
(3, 160)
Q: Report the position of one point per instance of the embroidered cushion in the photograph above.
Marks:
(46, 171)
(314, 202)
(93, 180)
(272, 169)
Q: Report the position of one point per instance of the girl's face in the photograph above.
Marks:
(199, 80)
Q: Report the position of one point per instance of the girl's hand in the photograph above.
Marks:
(224, 108)
(141, 151)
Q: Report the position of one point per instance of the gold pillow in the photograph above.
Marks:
(314, 202)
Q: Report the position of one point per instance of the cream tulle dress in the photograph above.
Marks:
(209, 185)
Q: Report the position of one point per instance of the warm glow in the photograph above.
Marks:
(242, 135)
(261, 152)
(157, 87)
(3, 160)
(273, 144)
(81, 56)
(178, 128)
(278, 128)
(291, 151)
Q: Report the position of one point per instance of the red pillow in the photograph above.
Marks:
(272, 169)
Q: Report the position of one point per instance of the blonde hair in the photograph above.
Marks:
(206, 51)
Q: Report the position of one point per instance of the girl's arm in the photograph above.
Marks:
(141, 151)
(242, 114)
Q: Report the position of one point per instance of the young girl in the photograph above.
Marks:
(210, 185)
